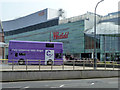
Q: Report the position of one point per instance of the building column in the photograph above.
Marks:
(80, 55)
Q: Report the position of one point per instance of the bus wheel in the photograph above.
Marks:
(49, 62)
(21, 62)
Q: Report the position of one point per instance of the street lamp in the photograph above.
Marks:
(95, 34)
(2, 38)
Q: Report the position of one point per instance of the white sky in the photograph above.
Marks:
(11, 9)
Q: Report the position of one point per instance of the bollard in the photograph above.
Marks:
(12, 64)
(6, 62)
(73, 64)
(0, 61)
(51, 66)
(63, 66)
(113, 65)
(39, 65)
(96, 64)
(105, 65)
(26, 64)
(83, 64)
(93, 64)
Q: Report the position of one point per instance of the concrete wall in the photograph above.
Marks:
(56, 74)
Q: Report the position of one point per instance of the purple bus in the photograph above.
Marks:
(33, 52)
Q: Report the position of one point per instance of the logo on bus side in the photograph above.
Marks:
(56, 35)
(49, 53)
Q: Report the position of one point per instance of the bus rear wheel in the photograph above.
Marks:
(49, 62)
(21, 62)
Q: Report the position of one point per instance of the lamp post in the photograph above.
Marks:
(2, 38)
(95, 34)
(50, 37)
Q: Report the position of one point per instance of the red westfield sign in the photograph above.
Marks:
(56, 35)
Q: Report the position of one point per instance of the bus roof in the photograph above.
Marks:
(35, 42)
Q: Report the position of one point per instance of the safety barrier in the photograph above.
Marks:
(3, 61)
(66, 65)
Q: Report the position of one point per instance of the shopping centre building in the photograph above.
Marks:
(76, 33)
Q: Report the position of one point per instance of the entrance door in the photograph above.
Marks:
(49, 56)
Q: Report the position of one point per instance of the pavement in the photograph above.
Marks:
(6, 67)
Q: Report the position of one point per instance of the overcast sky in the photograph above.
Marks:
(11, 9)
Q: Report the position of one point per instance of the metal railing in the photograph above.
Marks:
(66, 65)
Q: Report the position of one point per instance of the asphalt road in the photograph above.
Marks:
(76, 83)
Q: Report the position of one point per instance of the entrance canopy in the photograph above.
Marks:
(3, 44)
(105, 28)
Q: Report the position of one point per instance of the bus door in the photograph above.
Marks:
(49, 57)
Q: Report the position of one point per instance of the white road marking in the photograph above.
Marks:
(92, 83)
(58, 87)
(61, 85)
(53, 87)
(13, 87)
(26, 87)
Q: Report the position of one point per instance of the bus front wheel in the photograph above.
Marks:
(21, 62)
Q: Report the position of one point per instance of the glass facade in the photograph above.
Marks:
(110, 47)
(71, 34)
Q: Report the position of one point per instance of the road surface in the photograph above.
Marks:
(76, 83)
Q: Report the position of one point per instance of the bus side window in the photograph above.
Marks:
(58, 55)
(16, 54)
(22, 54)
(49, 45)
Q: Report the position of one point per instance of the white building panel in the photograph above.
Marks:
(32, 19)
(52, 13)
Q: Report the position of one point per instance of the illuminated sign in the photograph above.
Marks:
(56, 35)
(41, 13)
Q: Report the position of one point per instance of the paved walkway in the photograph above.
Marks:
(6, 67)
